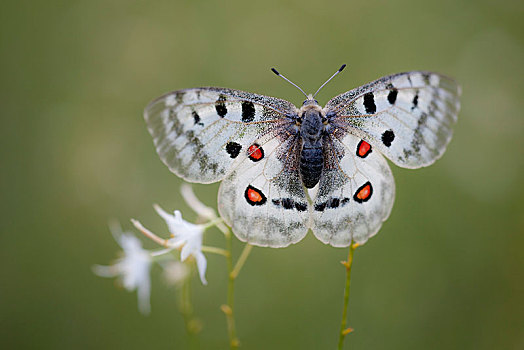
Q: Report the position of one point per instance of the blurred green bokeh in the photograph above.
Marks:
(445, 272)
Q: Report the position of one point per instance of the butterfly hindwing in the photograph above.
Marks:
(406, 116)
(355, 194)
(263, 199)
(199, 133)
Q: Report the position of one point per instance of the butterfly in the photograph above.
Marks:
(286, 170)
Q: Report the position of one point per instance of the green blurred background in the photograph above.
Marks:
(446, 270)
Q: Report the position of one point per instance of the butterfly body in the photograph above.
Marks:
(311, 131)
(270, 155)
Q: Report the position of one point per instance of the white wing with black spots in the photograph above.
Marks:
(355, 194)
(263, 199)
(199, 133)
(407, 116)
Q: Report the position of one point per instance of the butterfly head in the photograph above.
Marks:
(311, 120)
(310, 101)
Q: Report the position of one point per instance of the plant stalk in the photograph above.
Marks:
(229, 308)
(347, 264)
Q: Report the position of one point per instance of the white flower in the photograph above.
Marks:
(188, 236)
(133, 268)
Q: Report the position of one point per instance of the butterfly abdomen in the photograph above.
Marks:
(311, 157)
(311, 162)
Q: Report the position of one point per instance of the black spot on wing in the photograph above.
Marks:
(331, 203)
(233, 149)
(220, 106)
(248, 111)
(415, 102)
(289, 203)
(320, 206)
(392, 96)
(196, 117)
(369, 103)
(301, 206)
(387, 137)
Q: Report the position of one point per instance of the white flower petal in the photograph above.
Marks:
(178, 226)
(201, 265)
(165, 215)
(133, 269)
(186, 251)
(188, 236)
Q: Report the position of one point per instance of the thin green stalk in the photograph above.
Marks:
(215, 250)
(186, 309)
(347, 264)
(241, 260)
(228, 309)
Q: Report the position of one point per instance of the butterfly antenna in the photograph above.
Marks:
(327, 81)
(289, 81)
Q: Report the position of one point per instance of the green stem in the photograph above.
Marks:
(347, 264)
(241, 260)
(215, 250)
(228, 309)
(214, 222)
(191, 323)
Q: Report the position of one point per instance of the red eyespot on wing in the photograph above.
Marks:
(254, 196)
(363, 149)
(363, 194)
(255, 152)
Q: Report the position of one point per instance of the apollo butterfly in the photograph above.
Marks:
(285, 170)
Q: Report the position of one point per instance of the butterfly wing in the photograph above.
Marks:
(247, 140)
(263, 199)
(406, 116)
(355, 193)
(199, 133)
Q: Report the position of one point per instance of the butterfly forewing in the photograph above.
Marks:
(406, 116)
(199, 133)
